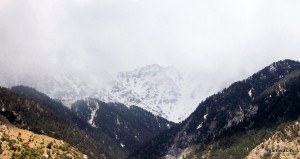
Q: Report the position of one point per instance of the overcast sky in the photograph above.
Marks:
(234, 38)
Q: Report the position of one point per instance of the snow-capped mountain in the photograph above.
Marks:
(163, 91)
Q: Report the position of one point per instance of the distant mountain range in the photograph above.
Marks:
(252, 118)
(164, 91)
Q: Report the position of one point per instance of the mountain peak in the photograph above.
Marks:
(288, 61)
(283, 64)
(151, 66)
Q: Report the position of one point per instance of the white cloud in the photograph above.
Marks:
(228, 38)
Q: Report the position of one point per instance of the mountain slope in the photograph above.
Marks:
(130, 127)
(277, 107)
(43, 118)
(221, 113)
(111, 126)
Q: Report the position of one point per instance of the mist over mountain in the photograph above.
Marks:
(256, 108)
(164, 91)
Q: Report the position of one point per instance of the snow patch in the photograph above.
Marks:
(205, 116)
(280, 91)
(168, 126)
(272, 68)
(136, 137)
(93, 114)
(122, 145)
(250, 93)
(200, 125)
(118, 122)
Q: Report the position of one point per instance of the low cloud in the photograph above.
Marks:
(227, 39)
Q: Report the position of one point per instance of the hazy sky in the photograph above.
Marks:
(229, 38)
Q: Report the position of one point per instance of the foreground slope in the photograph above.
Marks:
(228, 112)
(17, 143)
(283, 143)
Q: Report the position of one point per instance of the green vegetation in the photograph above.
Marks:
(234, 147)
(239, 145)
(29, 145)
(28, 153)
